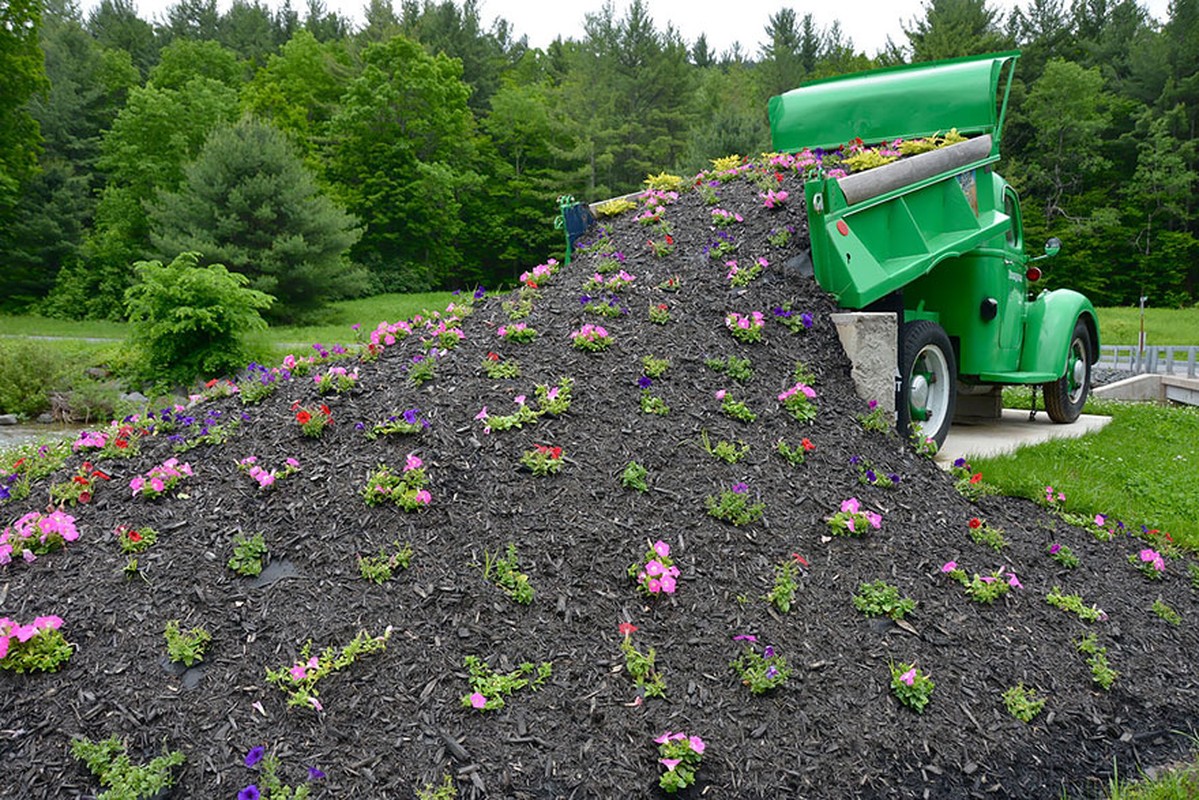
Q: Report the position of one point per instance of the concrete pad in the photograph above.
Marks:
(1012, 431)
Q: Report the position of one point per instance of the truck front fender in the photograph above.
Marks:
(1048, 326)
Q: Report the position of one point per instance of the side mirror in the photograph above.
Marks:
(1053, 247)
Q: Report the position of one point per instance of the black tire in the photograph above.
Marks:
(928, 373)
(1065, 397)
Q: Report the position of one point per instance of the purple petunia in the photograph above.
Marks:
(255, 755)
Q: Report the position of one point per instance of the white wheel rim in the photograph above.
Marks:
(929, 388)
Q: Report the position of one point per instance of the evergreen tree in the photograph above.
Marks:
(247, 202)
(24, 74)
(953, 28)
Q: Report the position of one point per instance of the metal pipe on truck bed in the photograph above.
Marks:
(862, 186)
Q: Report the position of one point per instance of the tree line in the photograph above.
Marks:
(425, 149)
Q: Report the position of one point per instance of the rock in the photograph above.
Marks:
(8, 419)
(99, 373)
(136, 398)
(45, 418)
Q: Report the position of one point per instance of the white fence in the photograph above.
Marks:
(1159, 360)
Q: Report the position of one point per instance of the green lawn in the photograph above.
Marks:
(1163, 326)
(1143, 469)
(31, 325)
(367, 312)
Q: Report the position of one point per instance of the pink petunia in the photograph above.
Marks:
(477, 700)
(949, 566)
(851, 505)
(662, 549)
(664, 738)
(670, 763)
(697, 744)
(909, 677)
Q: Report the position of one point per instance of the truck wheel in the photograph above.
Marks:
(929, 374)
(1064, 398)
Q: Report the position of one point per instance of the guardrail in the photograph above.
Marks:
(1159, 360)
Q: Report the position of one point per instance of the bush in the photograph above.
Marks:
(188, 321)
(28, 370)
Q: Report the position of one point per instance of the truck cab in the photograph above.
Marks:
(936, 237)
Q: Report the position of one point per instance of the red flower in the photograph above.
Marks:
(121, 443)
(101, 475)
(778, 176)
(626, 628)
(135, 537)
(493, 356)
(662, 307)
(80, 480)
(532, 284)
(85, 497)
(325, 410)
(975, 523)
(800, 559)
(669, 239)
(807, 445)
(976, 477)
(20, 461)
(210, 384)
(303, 417)
(555, 452)
(87, 465)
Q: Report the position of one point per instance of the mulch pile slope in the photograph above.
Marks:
(394, 721)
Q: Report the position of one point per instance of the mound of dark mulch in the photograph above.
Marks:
(394, 721)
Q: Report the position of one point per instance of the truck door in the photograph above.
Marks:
(1011, 317)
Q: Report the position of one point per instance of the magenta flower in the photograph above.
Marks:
(477, 700)
(909, 677)
(662, 549)
(663, 739)
(949, 566)
(670, 763)
(851, 505)
(697, 744)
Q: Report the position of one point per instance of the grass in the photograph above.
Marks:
(1181, 783)
(32, 325)
(335, 327)
(1163, 326)
(1142, 468)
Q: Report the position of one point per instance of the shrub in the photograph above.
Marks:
(188, 321)
(27, 372)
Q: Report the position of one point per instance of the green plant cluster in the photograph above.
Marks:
(912, 686)
(739, 369)
(494, 687)
(734, 507)
(761, 672)
(650, 403)
(725, 451)
(505, 572)
(1163, 610)
(300, 685)
(1022, 703)
(379, 568)
(110, 763)
(501, 368)
(736, 409)
(186, 647)
(634, 476)
(881, 599)
(654, 367)
(786, 582)
(1074, 604)
(249, 555)
(1101, 671)
(643, 670)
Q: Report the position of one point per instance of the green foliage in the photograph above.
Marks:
(734, 506)
(445, 791)
(1074, 604)
(880, 599)
(1166, 612)
(761, 672)
(505, 572)
(1022, 703)
(379, 568)
(654, 367)
(494, 686)
(29, 372)
(110, 763)
(642, 669)
(912, 686)
(1101, 670)
(186, 647)
(739, 369)
(23, 67)
(786, 582)
(727, 452)
(188, 321)
(247, 202)
(299, 681)
(634, 476)
(249, 553)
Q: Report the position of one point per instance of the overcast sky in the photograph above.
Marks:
(867, 22)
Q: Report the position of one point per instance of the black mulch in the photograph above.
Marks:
(394, 721)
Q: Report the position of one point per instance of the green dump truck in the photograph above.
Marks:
(936, 237)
